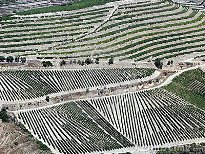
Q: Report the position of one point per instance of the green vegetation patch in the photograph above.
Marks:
(71, 6)
(3, 115)
(6, 17)
(181, 86)
(42, 146)
(6, 1)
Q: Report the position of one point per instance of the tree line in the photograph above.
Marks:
(11, 59)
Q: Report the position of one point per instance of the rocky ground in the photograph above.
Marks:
(13, 140)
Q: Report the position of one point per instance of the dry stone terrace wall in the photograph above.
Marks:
(149, 119)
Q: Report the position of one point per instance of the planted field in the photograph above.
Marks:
(190, 86)
(145, 119)
(35, 33)
(152, 118)
(30, 84)
(74, 127)
(129, 31)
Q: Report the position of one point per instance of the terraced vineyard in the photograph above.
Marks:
(190, 86)
(129, 31)
(146, 119)
(30, 84)
(33, 33)
(98, 91)
(77, 128)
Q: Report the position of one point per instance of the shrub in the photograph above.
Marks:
(3, 115)
(16, 143)
(2, 58)
(111, 61)
(42, 146)
(158, 63)
(62, 63)
(9, 59)
(47, 63)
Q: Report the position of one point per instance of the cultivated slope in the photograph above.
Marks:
(127, 30)
(29, 84)
(190, 86)
(146, 119)
(74, 127)
(152, 118)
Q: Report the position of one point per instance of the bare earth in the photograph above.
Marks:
(14, 141)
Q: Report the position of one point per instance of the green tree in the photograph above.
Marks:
(82, 63)
(9, 59)
(47, 64)
(88, 61)
(3, 115)
(87, 90)
(74, 61)
(17, 59)
(62, 63)
(79, 62)
(47, 98)
(97, 60)
(111, 61)
(23, 59)
(158, 63)
(2, 58)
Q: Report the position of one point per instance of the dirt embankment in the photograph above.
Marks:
(13, 140)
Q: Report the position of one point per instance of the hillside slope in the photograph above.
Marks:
(127, 30)
(190, 86)
(14, 141)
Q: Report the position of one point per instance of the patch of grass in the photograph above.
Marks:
(71, 6)
(180, 87)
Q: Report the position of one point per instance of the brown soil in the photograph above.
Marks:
(13, 140)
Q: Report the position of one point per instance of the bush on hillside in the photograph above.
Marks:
(47, 64)
(2, 58)
(111, 61)
(10, 59)
(158, 63)
(3, 115)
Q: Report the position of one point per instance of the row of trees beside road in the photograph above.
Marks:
(11, 59)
